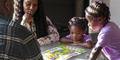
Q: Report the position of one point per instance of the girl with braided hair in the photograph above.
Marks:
(98, 16)
(30, 14)
(78, 36)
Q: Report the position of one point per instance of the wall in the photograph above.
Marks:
(60, 12)
(115, 11)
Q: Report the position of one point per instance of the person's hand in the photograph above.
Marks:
(75, 43)
(27, 18)
(87, 56)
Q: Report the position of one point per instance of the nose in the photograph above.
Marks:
(74, 36)
(31, 7)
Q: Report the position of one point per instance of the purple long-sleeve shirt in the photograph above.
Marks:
(109, 39)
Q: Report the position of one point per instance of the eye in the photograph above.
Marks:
(34, 5)
(78, 33)
(27, 3)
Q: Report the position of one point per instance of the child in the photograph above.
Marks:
(98, 16)
(78, 28)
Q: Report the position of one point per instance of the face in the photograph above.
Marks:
(76, 33)
(30, 7)
(94, 23)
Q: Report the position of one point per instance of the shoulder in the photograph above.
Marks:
(109, 29)
(68, 36)
(87, 37)
(18, 30)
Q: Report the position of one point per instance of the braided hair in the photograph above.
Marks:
(81, 22)
(98, 9)
(39, 17)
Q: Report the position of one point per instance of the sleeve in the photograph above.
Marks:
(68, 36)
(87, 38)
(52, 36)
(103, 39)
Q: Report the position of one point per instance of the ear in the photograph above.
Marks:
(101, 20)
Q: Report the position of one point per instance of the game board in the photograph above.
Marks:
(62, 52)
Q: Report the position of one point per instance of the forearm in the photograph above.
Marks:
(65, 40)
(86, 45)
(48, 39)
(52, 36)
(95, 52)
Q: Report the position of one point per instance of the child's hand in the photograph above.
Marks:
(66, 40)
(75, 43)
(87, 56)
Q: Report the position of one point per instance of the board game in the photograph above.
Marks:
(62, 52)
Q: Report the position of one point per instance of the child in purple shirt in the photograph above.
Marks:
(78, 29)
(98, 16)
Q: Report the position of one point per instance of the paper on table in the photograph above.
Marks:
(62, 52)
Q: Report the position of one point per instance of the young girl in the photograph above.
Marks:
(32, 15)
(78, 28)
(98, 16)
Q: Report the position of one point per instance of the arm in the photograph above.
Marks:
(66, 40)
(95, 52)
(52, 36)
(88, 44)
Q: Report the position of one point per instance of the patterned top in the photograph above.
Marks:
(52, 36)
(17, 43)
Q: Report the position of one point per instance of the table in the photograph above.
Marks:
(79, 57)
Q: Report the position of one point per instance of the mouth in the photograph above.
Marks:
(29, 13)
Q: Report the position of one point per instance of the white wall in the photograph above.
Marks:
(115, 11)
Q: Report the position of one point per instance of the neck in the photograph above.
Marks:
(30, 19)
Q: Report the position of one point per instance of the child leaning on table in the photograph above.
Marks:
(78, 28)
(98, 16)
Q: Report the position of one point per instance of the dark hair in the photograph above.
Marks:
(39, 17)
(81, 22)
(98, 9)
(6, 8)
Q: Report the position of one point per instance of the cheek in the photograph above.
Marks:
(90, 26)
(24, 8)
(79, 38)
(35, 9)
(94, 28)
(97, 28)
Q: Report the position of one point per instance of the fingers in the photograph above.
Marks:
(87, 56)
